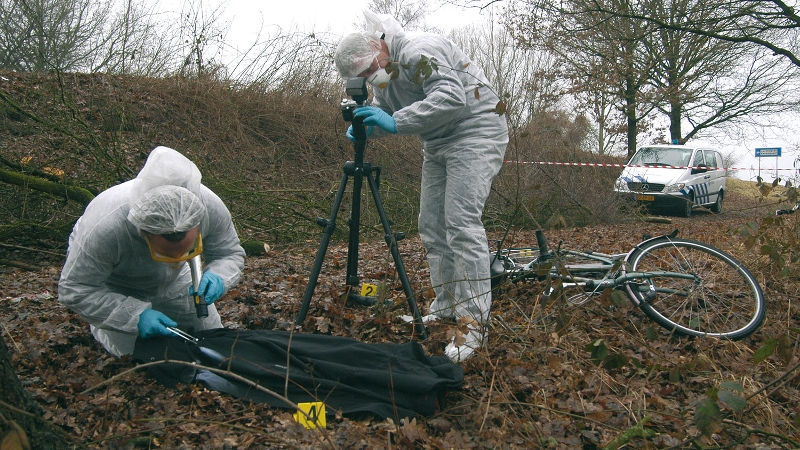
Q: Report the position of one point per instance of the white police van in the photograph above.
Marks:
(675, 177)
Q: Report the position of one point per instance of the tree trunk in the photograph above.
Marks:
(17, 404)
(630, 114)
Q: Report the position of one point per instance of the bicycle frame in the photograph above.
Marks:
(612, 265)
(635, 278)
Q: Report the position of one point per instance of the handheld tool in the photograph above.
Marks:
(184, 335)
(213, 355)
(196, 267)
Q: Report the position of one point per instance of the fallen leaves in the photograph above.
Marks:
(544, 386)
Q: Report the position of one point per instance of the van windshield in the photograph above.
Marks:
(659, 156)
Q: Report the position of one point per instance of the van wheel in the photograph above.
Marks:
(685, 208)
(716, 208)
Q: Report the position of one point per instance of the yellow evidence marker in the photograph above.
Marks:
(314, 415)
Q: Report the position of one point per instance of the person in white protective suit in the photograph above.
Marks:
(453, 110)
(126, 271)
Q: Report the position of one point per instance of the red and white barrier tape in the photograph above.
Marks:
(551, 163)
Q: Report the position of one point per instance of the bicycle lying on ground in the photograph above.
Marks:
(688, 287)
(782, 212)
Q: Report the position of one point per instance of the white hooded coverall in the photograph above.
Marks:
(109, 276)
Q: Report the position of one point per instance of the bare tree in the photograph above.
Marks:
(609, 123)
(202, 35)
(83, 35)
(525, 78)
(42, 35)
(772, 24)
(534, 82)
(690, 78)
(289, 61)
(710, 82)
(410, 13)
(601, 56)
(136, 43)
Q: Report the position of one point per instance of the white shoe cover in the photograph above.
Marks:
(425, 319)
(474, 339)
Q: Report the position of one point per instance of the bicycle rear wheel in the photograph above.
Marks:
(721, 299)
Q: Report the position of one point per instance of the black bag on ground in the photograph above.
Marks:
(387, 380)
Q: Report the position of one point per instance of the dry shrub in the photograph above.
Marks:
(275, 158)
(543, 185)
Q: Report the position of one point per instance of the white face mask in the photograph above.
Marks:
(380, 78)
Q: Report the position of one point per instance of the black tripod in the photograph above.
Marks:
(359, 170)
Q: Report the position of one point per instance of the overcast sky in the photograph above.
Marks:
(247, 17)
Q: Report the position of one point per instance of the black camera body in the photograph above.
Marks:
(356, 88)
(348, 106)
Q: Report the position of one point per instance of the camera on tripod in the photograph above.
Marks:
(356, 88)
(360, 172)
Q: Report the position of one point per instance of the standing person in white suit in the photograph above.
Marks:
(126, 271)
(453, 110)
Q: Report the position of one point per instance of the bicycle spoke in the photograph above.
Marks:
(721, 299)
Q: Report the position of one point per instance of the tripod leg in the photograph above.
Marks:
(329, 226)
(355, 228)
(391, 241)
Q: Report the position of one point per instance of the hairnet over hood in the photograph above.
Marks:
(355, 51)
(167, 209)
(163, 198)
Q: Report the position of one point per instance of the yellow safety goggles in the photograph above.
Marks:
(198, 249)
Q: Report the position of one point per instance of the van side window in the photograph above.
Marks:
(711, 159)
(698, 158)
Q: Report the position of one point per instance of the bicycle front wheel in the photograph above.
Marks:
(719, 297)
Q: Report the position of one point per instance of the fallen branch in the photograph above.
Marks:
(652, 219)
(78, 194)
(30, 249)
(21, 265)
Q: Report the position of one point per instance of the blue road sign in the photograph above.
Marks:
(772, 151)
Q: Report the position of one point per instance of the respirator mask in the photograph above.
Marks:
(380, 79)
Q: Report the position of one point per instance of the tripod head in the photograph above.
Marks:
(356, 88)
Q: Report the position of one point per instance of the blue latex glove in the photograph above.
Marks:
(377, 117)
(154, 323)
(211, 287)
(350, 136)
